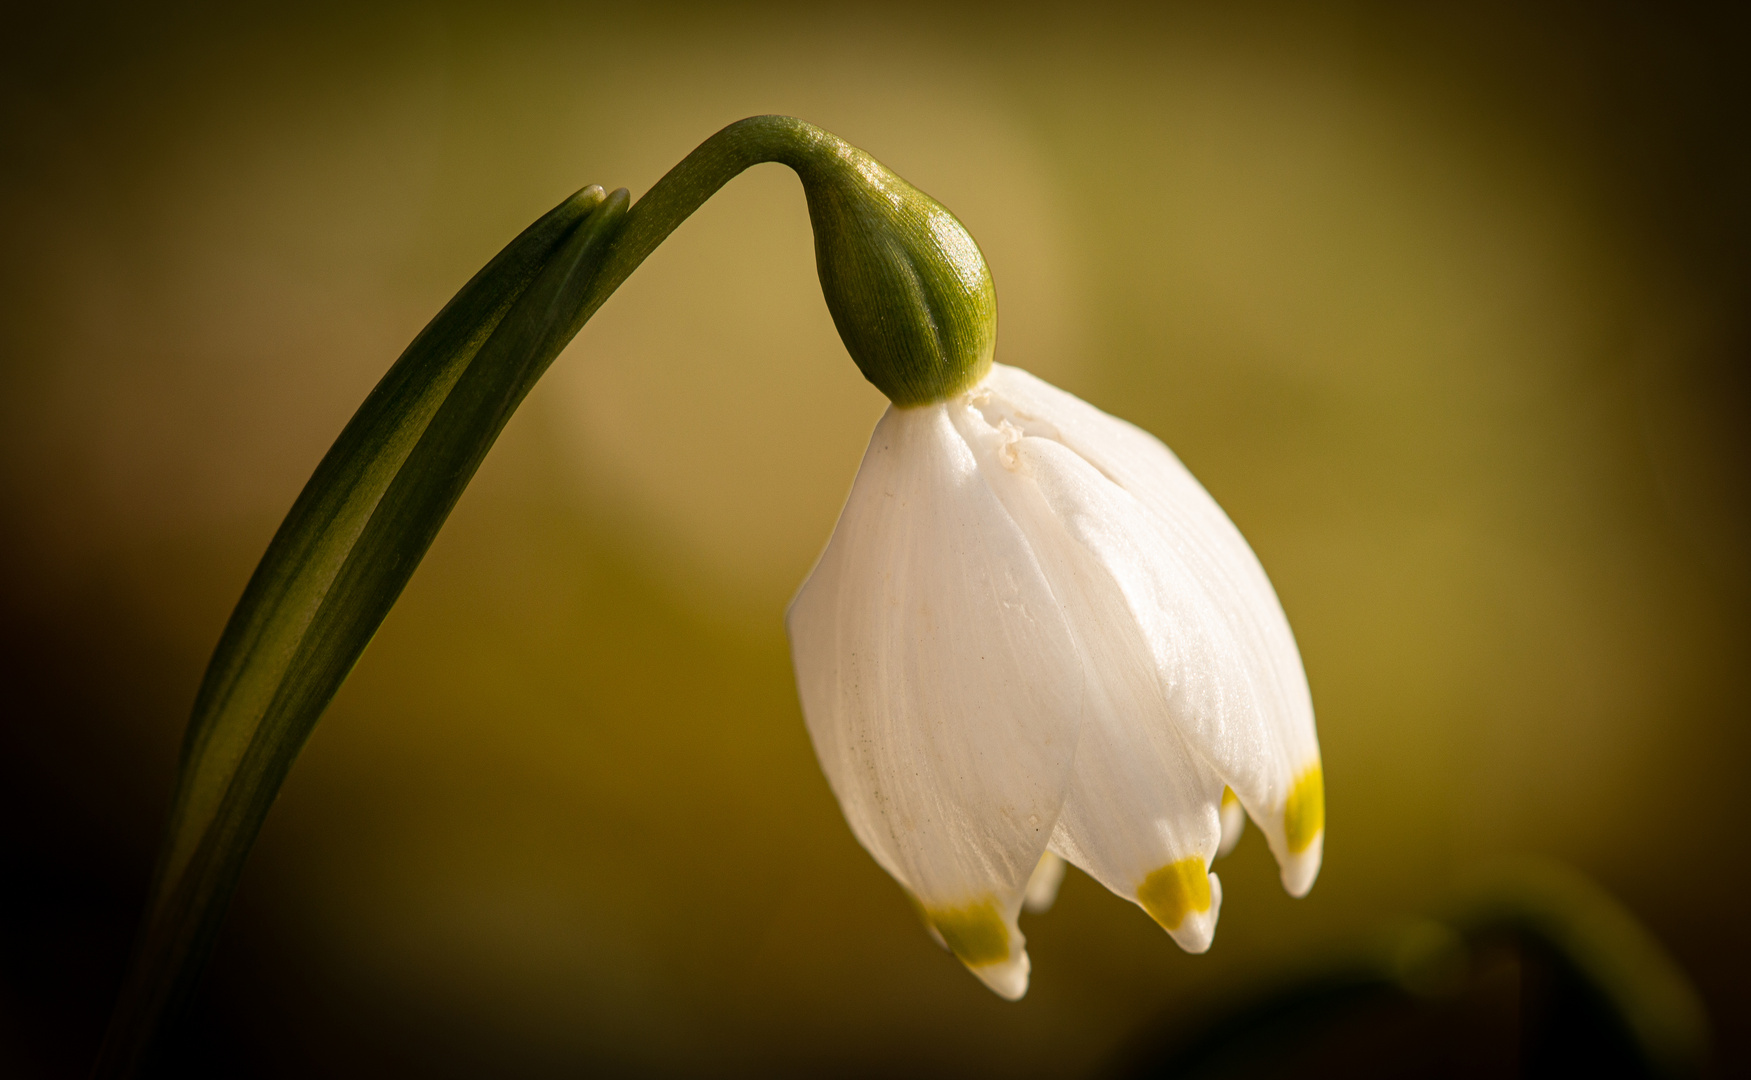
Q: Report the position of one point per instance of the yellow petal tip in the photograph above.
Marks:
(1175, 891)
(976, 932)
(1304, 815)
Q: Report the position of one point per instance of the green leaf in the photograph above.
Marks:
(331, 574)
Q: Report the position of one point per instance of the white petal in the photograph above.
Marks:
(1233, 821)
(1217, 636)
(1043, 883)
(1141, 820)
(941, 687)
(1142, 813)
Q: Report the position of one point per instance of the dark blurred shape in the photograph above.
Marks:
(1540, 974)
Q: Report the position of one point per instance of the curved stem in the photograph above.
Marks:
(698, 176)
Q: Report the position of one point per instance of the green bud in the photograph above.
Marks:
(904, 280)
(907, 286)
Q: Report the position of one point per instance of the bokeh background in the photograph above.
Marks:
(1449, 307)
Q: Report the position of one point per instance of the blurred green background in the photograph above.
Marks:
(1449, 308)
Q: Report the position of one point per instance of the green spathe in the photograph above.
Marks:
(907, 286)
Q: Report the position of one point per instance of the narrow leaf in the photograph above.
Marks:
(330, 576)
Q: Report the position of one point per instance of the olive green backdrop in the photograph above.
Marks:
(1447, 309)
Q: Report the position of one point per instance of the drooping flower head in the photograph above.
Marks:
(1034, 635)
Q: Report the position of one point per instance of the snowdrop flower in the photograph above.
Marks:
(1033, 633)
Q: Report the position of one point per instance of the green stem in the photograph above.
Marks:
(363, 523)
(698, 176)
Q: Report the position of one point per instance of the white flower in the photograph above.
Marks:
(1034, 632)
